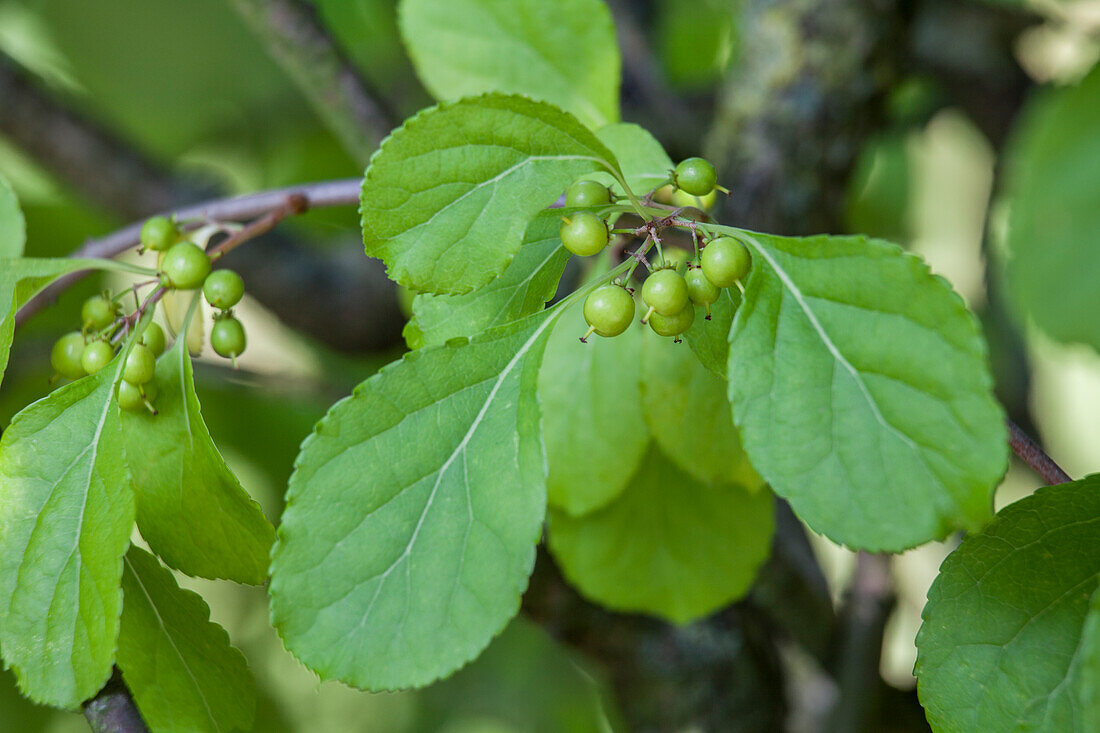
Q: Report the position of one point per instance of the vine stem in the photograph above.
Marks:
(1031, 454)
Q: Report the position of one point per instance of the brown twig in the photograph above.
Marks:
(294, 205)
(1031, 454)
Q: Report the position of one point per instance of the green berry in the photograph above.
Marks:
(695, 176)
(584, 234)
(609, 310)
(665, 292)
(587, 193)
(223, 289)
(186, 266)
(701, 290)
(140, 365)
(97, 312)
(66, 354)
(672, 325)
(227, 337)
(725, 261)
(675, 258)
(97, 355)
(159, 233)
(132, 397)
(153, 337)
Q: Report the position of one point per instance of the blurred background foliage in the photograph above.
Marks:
(189, 87)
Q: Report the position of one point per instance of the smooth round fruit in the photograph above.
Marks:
(140, 365)
(97, 355)
(159, 233)
(725, 261)
(701, 290)
(584, 233)
(186, 266)
(153, 337)
(227, 337)
(676, 258)
(609, 309)
(587, 193)
(132, 397)
(672, 325)
(695, 176)
(97, 312)
(223, 289)
(665, 292)
(703, 203)
(66, 354)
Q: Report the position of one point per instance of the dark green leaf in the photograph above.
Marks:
(709, 340)
(860, 385)
(178, 664)
(413, 513)
(562, 52)
(1009, 634)
(448, 196)
(669, 545)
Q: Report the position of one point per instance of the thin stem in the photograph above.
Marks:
(1031, 454)
(295, 204)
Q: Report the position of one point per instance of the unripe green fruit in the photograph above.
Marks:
(609, 310)
(703, 203)
(725, 261)
(186, 266)
(227, 337)
(701, 290)
(587, 193)
(676, 258)
(153, 337)
(97, 355)
(132, 397)
(140, 365)
(159, 233)
(672, 325)
(665, 292)
(66, 353)
(223, 289)
(695, 176)
(584, 233)
(97, 312)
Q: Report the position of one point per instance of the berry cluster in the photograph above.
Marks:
(183, 265)
(668, 295)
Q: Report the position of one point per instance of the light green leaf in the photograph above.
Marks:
(413, 513)
(1002, 645)
(13, 228)
(689, 415)
(709, 340)
(529, 281)
(669, 545)
(22, 279)
(643, 161)
(66, 512)
(860, 385)
(1051, 182)
(190, 508)
(591, 413)
(562, 52)
(178, 664)
(449, 195)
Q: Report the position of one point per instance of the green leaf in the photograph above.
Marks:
(449, 195)
(13, 228)
(178, 664)
(529, 281)
(698, 38)
(190, 507)
(709, 340)
(860, 385)
(563, 52)
(66, 512)
(643, 160)
(413, 513)
(689, 415)
(669, 545)
(1051, 181)
(1088, 680)
(1002, 645)
(591, 413)
(22, 279)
